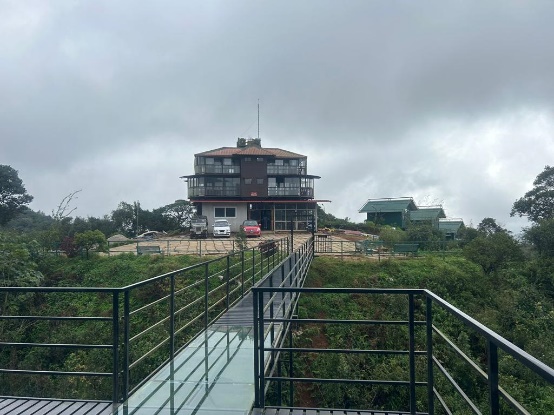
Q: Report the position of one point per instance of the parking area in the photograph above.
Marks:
(211, 246)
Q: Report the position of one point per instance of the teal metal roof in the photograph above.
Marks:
(427, 214)
(450, 226)
(388, 205)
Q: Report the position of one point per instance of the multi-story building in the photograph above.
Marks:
(269, 185)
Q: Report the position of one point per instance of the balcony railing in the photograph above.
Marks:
(291, 191)
(290, 170)
(216, 169)
(200, 191)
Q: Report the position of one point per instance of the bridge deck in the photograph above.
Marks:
(53, 407)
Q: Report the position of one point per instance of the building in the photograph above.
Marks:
(402, 211)
(390, 211)
(269, 185)
(451, 227)
(427, 215)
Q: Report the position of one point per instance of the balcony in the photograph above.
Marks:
(216, 191)
(291, 191)
(216, 169)
(288, 170)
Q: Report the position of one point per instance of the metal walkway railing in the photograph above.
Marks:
(279, 372)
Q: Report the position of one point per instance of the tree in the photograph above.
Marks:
(17, 267)
(488, 227)
(178, 214)
(13, 195)
(90, 239)
(494, 251)
(538, 203)
(541, 236)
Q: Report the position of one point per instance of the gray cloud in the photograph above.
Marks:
(449, 102)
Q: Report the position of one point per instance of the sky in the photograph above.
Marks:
(447, 102)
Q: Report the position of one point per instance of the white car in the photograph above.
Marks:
(221, 228)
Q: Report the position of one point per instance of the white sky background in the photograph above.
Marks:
(448, 102)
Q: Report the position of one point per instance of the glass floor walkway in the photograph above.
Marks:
(214, 374)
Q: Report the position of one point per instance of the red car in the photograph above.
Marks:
(251, 228)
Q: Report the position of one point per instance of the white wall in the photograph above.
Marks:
(208, 210)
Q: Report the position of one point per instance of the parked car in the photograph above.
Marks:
(251, 228)
(221, 228)
(199, 227)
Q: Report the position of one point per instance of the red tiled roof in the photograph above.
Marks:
(249, 151)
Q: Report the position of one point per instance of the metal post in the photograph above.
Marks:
(256, 352)
(172, 316)
(253, 266)
(126, 335)
(115, 346)
(207, 289)
(242, 274)
(493, 378)
(227, 282)
(411, 328)
(430, 375)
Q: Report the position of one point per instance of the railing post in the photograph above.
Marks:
(115, 345)
(253, 267)
(207, 290)
(172, 316)
(256, 356)
(227, 282)
(126, 335)
(241, 273)
(411, 329)
(493, 378)
(430, 375)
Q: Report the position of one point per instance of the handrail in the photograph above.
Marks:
(150, 321)
(265, 374)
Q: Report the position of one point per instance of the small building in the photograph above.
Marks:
(427, 215)
(389, 211)
(269, 185)
(451, 227)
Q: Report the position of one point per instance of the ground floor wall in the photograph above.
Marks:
(272, 216)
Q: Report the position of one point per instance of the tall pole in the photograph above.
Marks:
(258, 117)
(137, 205)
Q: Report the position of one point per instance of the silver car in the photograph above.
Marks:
(221, 228)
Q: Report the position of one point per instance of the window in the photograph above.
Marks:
(259, 159)
(259, 181)
(225, 212)
(227, 162)
(247, 181)
(248, 159)
(278, 162)
(209, 160)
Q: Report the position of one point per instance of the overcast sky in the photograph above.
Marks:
(447, 102)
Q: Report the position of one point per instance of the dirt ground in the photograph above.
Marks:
(183, 245)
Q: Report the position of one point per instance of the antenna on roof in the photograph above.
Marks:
(258, 117)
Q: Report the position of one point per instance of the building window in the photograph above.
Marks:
(259, 181)
(225, 212)
(247, 181)
(260, 159)
(209, 160)
(248, 159)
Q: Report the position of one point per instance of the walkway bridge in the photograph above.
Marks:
(219, 338)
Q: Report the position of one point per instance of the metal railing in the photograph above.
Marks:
(426, 345)
(137, 328)
(184, 246)
(327, 244)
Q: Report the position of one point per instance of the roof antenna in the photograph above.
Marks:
(258, 118)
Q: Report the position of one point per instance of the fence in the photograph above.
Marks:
(428, 384)
(103, 343)
(336, 246)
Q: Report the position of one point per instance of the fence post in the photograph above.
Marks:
(241, 273)
(207, 289)
(115, 346)
(493, 378)
(227, 282)
(126, 335)
(430, 374)
(172, 316)
(256, 352)
(411, 329)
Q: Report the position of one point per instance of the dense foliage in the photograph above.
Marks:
(507, 301)
(13, 195)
